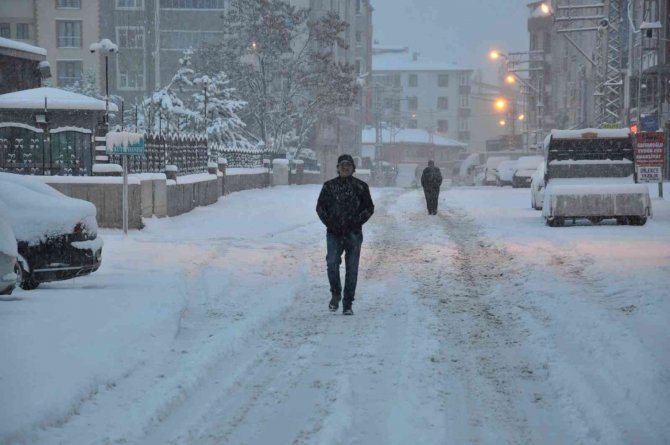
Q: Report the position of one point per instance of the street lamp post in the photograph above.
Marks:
(106, 47)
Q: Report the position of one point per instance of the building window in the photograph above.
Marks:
(130, 37)
(69, 72)
(181, 40)
(358, 6)
(359, 37)
(412, 123)
(442, 125)
(131, 77)
(22, 31)
(442, 103)
(388, 103)
(193, 4)
(5, 30)
(358, 67)
(463, 125)
(413, 80)
(129, 4)
(465, 101)
(465, 79)
(412, 103)
(68, 4)
(443, 80)
(69, 34)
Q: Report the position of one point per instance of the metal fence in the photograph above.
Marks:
(187, 152)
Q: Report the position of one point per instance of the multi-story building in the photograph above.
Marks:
(65, 28)
(412, 93)
(151, 36)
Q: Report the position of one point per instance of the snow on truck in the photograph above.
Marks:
(590, 174)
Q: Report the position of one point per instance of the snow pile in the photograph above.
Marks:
(529, 162)
(590, 133)
(107, 168)
(20, 46)
(56, 99)
(105, 45)
(38, 211)
(586, 186)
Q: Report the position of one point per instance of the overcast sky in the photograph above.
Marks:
(461, 31)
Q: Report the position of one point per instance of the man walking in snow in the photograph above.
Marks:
(344, 205)
(431, 180)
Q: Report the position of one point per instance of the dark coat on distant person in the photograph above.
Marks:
(431, 178)
(344, 205)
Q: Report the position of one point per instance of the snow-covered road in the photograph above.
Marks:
(479, 325)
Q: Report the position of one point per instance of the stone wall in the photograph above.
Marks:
(152, 195)
(182, 198)
(107, 198)
(236, 183)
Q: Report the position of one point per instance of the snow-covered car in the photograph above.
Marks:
(57, 236)
(537, 187)
(492, 164)
(8, 253)
(505, 173)
(525, 167)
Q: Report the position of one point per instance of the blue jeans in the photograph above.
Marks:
(350, 244)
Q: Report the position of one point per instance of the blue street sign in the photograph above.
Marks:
(648, 122)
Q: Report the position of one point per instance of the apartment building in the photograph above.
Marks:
(65, 28)
(412, 93)
(152, 35)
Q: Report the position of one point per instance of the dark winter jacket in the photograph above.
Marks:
(431, 178)
(344, 205)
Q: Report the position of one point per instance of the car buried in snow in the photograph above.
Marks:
(505, 173)
(56, 235)
(525, 167)
(8, 253)
(537, 187)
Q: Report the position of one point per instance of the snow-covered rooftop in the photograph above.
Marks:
(20, 46)
(57, 99)
(410, 135)
(404, 61)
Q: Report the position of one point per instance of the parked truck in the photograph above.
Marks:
(590, 174)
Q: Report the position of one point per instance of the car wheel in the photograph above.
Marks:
(23, 278)
(637, 220)
(595, 219)
(555, 222)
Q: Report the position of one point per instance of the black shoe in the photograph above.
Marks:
(334, 302)
(346, 308)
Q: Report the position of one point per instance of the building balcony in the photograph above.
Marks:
(464, 89)
(464, 112)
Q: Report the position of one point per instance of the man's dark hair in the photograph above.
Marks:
(431, 163)
(346, 158)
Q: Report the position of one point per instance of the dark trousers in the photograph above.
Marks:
(350, 244)
(431, 199)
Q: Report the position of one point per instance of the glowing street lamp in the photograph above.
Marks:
(502, 123)
(495, 55)
(521, 117)
(510, 79)
(500, 104)
(545, 8)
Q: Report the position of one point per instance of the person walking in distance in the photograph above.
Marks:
(344, 205)
(431, 180)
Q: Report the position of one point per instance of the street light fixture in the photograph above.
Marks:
(106, 47)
